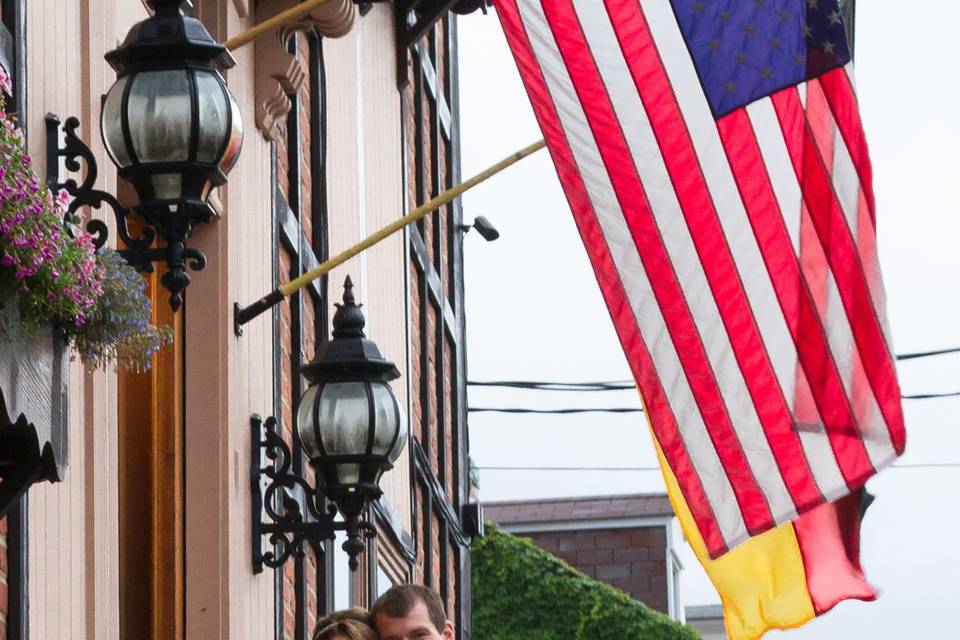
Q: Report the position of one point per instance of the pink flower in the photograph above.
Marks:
(5, 82)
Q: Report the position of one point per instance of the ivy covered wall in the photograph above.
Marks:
(521, 592)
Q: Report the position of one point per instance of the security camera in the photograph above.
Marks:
(484, 227)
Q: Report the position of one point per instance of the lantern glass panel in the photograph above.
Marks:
(214, 117)
(111, 123)
(387, 411)
(344, 418)
(348, 473)
(167, 186)
(159, 115)
(305, 426)
(401, 436)
(232, 151)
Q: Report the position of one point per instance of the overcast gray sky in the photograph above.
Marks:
(535, 313)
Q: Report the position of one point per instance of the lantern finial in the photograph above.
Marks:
(166, 5)
(348, 321)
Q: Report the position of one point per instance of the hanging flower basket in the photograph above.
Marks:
(57, 294)
(52, 274)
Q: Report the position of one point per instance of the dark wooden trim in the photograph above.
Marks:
(444, 537)
(434, 288)
(15, 22)
(433, 487)
(430, 79)
(18, 571)
(426, 525)
(424, 328)
(420, 179)
(318, 182)
(408, 323)
(390, 522)
(296, 244)
(460, 380)
(436, 186)
(294, 196)
(459, 397)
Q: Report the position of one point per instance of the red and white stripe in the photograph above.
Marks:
(737, 257)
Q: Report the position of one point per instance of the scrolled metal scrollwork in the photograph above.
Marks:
(79, 158)
(287, 522)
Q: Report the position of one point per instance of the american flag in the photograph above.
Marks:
(714, 159)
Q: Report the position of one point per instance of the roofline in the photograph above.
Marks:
(585, 524)
(620, 496)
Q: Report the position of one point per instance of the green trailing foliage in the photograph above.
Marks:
(521, 592)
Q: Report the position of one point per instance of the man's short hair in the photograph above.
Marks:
(401, 600)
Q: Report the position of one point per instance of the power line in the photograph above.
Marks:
(523, 410)
(520, 410)
(567, 468)
(624, 385)
(617, 385)
(931, 396)
(927, 354)
(923, 465)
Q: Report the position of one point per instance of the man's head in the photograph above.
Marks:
(411, 612)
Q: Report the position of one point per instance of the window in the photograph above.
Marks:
(384, 581)
(342, 576)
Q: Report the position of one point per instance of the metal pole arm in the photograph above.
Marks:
(242, 315)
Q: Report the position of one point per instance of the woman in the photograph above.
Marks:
(351, 624)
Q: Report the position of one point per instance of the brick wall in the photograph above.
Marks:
(287, 347)
(633, 560)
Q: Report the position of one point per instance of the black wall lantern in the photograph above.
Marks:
(174, 131)
(351, 428)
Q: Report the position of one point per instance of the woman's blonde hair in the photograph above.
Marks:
(354, 624)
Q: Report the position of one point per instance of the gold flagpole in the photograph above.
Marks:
(281, 19)
(245, 314)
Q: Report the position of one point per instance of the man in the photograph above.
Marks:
(411, 612)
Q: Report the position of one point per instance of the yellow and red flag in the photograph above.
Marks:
(785, 577)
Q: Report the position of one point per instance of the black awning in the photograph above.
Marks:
(34, 380)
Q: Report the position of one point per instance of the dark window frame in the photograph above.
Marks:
(13, 36)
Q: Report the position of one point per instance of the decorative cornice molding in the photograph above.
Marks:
(280, 73)
(243, 9)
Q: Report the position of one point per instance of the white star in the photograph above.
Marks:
(828, 47)
(835, 17)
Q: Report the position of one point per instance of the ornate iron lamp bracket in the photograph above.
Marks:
(280, 494)
(139, 250)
